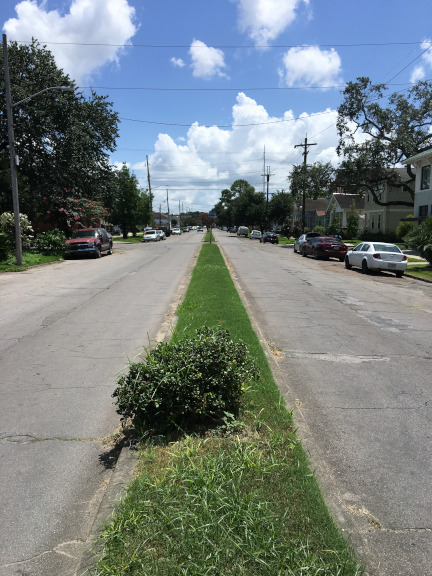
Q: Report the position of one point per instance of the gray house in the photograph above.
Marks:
(423, 183)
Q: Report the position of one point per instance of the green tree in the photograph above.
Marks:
(315, 180)
(421, 239)
(131, 206)
(396, 126)
(352, 222)
(280, 207)
(63, 139)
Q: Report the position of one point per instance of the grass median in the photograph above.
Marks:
(242, 501)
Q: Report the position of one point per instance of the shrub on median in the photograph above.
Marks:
(183, 384)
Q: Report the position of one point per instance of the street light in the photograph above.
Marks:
(11, 137)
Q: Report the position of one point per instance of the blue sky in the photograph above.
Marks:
(202, 88)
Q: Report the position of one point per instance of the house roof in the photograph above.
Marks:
(315, 205)
(419, 156)
(345, 200)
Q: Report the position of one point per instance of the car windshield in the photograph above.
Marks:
(330, 240)
(386, 248)
(85, 234)
(150, 232)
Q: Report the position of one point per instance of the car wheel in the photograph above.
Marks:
(365, 267)
(341, 259)
(98, 252)
(295, 250)
(303, 253)
(110, 250)
(348, 266)
(316, 255)
(399, 274)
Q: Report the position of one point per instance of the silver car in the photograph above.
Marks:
(298, 242)
(151, 236)
(377, 256)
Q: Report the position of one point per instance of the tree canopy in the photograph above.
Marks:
(62, 138)
(315, 180)
(394, 127)
(241, 205)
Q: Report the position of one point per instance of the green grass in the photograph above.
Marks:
(237, 504)
(130, 239)
(29, 259)
(422, 271)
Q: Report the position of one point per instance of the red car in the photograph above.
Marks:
(89, 241)
(324, 247)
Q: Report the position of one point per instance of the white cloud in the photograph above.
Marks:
(310, 66)
(178, 62)
(210, 159)
(207, 62)
(265, 20)
(88, 21)
(420, 71)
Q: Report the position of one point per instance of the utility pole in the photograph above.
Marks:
(150, 193)
(266, 177)
(179, 216)
(12, 156)
(169, 219)
(305, 147)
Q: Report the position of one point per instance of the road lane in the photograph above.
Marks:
(353, 357)
(67, 331)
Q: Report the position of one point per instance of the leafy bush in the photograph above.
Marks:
(181, 384)
(7, 230)
(421, 239)
(404, 228)
(51, 242)
(320, 230)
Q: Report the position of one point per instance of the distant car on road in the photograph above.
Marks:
(269, 237)
(255, 234)
(298, 242)
(90, 242)
(151, 236)
(324, 247)
(176, 231)
(200, 229)
(186, 229)
(161, 234)
(243, 231)
(377, 256)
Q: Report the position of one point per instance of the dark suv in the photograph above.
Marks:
(269, 237)
(89, 241)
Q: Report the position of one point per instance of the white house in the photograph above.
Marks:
(423, 183)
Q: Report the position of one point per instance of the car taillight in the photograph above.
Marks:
(377, 256)
(404, 257)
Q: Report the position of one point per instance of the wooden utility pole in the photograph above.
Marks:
(305, 147)
(266, 176)
(169, 219)
(150, 193)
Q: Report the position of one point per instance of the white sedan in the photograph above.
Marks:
(377, 256)
(151, 236)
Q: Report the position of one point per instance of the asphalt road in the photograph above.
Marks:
(353, 355)
(68, 330)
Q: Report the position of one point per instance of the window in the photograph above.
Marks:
(425, 178)
(379, 221)
(372, 221)
(423, 212)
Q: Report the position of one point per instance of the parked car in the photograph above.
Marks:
(255, 234)
(243, 231)
(186, 229)
(166, 230)
(269, 237)
(151, 236)
(298, 242)
(161, 233)
(324, 247)
(200, 229)
(89, 241)
(232, 229)
(176, 231)
(377, 256)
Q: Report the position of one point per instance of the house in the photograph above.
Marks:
(341, 203)
(423, 183)
(315, 213)
(385, 219)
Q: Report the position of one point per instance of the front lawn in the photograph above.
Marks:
(29, 259)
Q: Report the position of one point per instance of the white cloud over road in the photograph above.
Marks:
(210, 159)
(91, 22)
(420, 72)
(310, 66)
(265, 20)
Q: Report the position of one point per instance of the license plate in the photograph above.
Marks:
(392, 266)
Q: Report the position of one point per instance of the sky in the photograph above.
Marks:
(209, 92)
